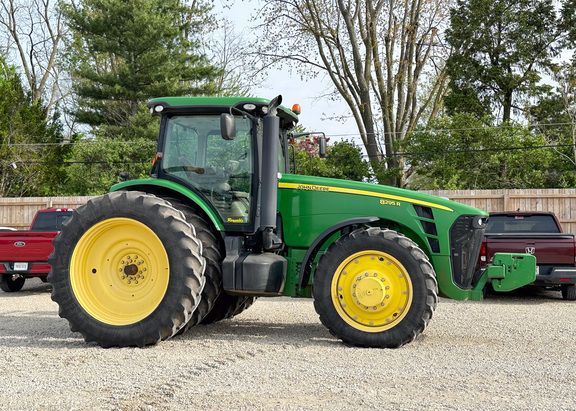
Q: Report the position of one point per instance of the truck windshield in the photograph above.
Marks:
(221, 170)
(521, 224)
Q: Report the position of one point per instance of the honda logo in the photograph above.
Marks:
(19, 243)
(531, 250)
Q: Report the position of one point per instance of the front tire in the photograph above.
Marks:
(126, 270)
(10, 284)
(375, 288)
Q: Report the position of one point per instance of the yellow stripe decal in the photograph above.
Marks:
(314, 187)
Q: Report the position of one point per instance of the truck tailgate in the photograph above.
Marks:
(555, 248)
(26, 246)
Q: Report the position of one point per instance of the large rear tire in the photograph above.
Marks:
(127, 270)
(10, 284)
(213, 252)
(375, 288)
(228, 306)
(215, 305)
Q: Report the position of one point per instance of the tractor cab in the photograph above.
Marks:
(223, 166)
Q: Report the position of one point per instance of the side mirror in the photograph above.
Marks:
(322, 147)
(227, 126)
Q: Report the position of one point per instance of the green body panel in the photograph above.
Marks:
(310, 205)
(146, 184)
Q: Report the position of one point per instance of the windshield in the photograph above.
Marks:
(221, 170)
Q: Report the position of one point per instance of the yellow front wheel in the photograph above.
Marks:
(127, 270)
(375, 288)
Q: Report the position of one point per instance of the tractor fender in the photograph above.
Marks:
(162, 188)
(306, 267)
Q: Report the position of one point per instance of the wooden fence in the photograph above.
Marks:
(561, 201)
(19, 212)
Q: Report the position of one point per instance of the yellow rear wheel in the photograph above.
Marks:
(119, 271)
(127, 270)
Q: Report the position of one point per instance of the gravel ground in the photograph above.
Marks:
(514, 351)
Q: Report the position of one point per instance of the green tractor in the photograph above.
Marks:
(222, 220)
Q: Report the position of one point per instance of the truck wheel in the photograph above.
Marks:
(569, 292)
(228, 306)
(10, 284)
(126, 270)
(375, 288)
(212, 253)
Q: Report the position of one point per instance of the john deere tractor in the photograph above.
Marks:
(222, 220)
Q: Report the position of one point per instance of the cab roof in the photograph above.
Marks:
(217, 105)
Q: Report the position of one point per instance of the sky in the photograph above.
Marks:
(318, 113)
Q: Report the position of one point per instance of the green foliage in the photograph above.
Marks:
(31, 146)
(124, 52)
(461, 153)
(98, 163)
(499, 46)
(568, 23)
(343, 160)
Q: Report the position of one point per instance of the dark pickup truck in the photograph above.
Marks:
(24, 254)
(538, 233)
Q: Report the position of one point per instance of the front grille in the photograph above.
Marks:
(465, 240)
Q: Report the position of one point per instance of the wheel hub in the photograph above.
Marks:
(370, 291)
(132, 269)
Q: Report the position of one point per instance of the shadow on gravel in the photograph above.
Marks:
(269, 333)
(526, 296)
(41, 329)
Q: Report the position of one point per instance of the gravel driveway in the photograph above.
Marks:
(514, 351)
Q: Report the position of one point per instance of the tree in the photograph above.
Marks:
(500, 49)
(462, 153)
(377, 55)
(555, 114)
(343, 160)
(32, 151)
(232, 53)
(33, 32)
(97, 163)
(124, 52)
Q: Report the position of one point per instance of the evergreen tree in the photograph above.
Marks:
(124, 52)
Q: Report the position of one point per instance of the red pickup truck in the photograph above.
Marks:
(539, 233)
(24, 254)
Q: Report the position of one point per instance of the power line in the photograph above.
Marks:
(478, 150)
(75, 142)
(427, 130)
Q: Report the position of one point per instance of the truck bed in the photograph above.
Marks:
(555, 252)
(549, 248)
